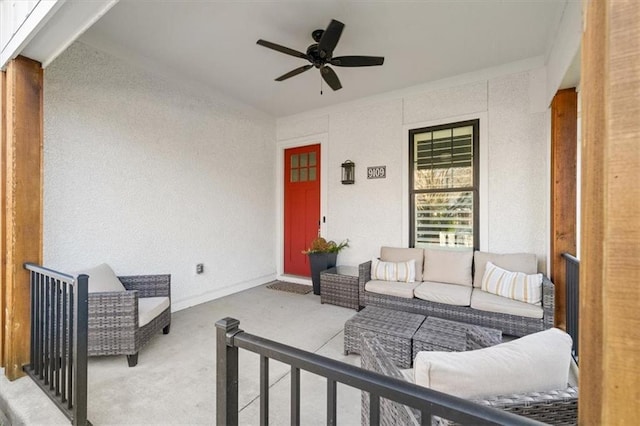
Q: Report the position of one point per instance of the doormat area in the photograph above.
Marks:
(290, 287)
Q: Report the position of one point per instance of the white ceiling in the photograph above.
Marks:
(214, 43)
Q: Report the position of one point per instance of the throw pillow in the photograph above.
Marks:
(535, 363)
(102, 279)
(393, 271)
(514, 285)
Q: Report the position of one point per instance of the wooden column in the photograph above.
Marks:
(23, 204)
(564, 141)
(3, 181)
(610, 248)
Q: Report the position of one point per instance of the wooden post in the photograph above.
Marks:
(3, 214)
(564, 141)
(610, 248)
(23, 204)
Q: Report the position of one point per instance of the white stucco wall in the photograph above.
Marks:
(152, 176)
(514, 145)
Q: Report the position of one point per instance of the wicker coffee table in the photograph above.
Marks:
(394, 330)
(437, 334)
(339, 286)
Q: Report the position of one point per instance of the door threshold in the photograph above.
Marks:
(297, 279)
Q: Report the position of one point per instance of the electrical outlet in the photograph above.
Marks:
(199, 268)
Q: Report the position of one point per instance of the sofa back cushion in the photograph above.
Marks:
(398, 254)
(515, 262)
(102, 279)
(448, 266)
(534, 363)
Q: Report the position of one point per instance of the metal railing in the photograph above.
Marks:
(58, 357)
(572, 282)
(229, 338)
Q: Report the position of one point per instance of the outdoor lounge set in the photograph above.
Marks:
(426, 312)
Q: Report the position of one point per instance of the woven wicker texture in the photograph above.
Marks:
(113, 316)
(509, 324)
(394, 330)
(556, 407)
(437, 334)
(339, 289)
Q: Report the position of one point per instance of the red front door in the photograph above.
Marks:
(301, 206)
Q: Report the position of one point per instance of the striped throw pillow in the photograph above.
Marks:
(393, 271)
(514, 285)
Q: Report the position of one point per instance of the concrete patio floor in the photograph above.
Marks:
(174, 381)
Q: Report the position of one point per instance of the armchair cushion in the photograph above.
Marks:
(102, 279)
(151, 307)
(534, 363)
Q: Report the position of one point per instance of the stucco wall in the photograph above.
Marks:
(152, 176)
(514, 140)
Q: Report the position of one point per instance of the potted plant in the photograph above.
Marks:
(323, 255)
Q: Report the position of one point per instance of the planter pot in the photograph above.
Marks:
(318, 263)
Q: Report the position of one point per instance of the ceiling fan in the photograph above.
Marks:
(320, 54)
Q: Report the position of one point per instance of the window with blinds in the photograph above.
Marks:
(444, 185)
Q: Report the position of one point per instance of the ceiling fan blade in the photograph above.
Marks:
(294, 72)
(357, 61)
(281, 49)
(330, 38)
(331, 78)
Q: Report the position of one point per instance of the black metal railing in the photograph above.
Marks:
(229, 338)
(572, 283)
(58, 358)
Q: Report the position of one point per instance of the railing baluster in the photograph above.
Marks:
(47, 342)
(295, 396)
(72, 360)
(374, 409)
(56, 337)
(425, 417)
(264, 391)
(64, 331)
(41, 328)
(34, 319)
(81, 308)
(331, 402)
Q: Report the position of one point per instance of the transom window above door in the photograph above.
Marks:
(303, 167)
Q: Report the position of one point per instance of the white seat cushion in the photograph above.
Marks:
(102, 279)
(535, 363)
(448, 266)
(451, 294)
(151, 307)
(483, 301)
(391, 288)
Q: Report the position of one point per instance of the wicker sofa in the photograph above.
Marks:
(558, 407)
(433, 269)
(126, 312)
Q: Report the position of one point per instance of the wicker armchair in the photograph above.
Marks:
(114, 317)
(558, 407)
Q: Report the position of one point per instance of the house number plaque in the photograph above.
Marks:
(377, 172)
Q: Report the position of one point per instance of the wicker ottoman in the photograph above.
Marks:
(394, 330)
(437, 334)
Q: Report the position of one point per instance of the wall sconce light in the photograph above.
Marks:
(348, 172)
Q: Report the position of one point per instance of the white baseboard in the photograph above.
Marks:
(179, 305)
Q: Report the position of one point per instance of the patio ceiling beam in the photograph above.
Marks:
(22, 203)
